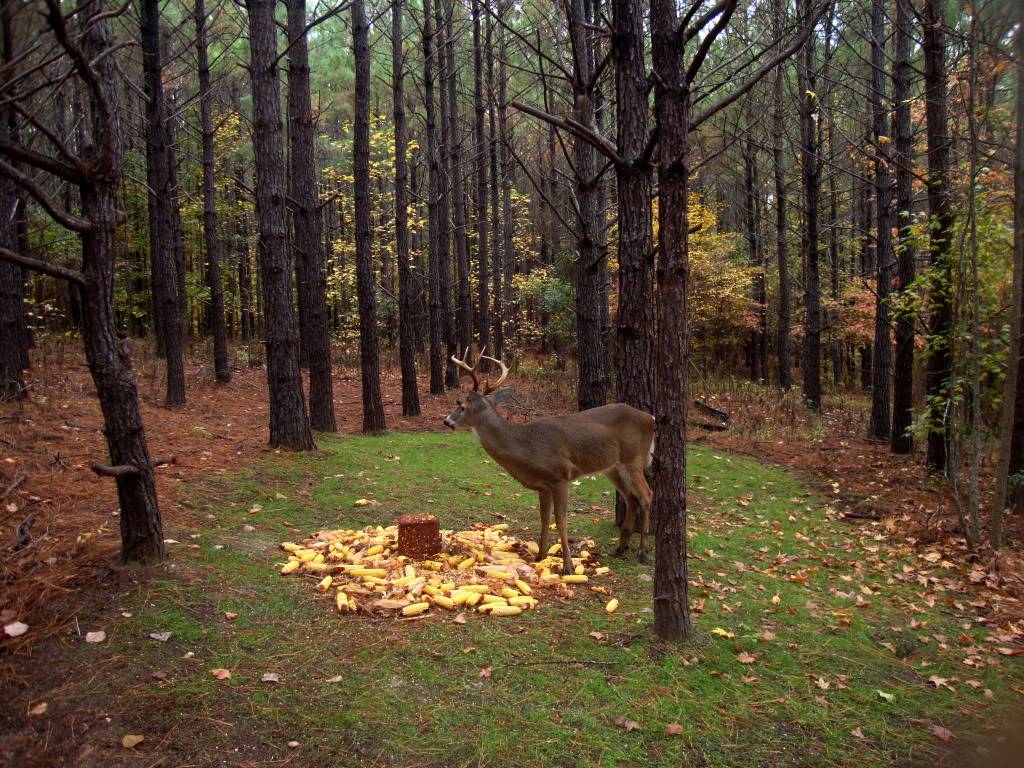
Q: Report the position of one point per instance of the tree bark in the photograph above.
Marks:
(903, 364)
(671, 589)
(759, 334)
(940, 241)
(369, 352)
(881, 420)
(811, 172)
(406, 329)
(310, 278)
(505, 141)
(590, 348)
(497, 295)
(289, 422)
(444, 201)
(434, 181)
(781, 239)
(160, 177)
(221, 368)
(480, 201)
(464, 309)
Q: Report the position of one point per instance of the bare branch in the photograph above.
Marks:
(59, 215)
(53, 270)
(603, 145)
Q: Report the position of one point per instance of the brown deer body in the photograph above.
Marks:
(547, 454)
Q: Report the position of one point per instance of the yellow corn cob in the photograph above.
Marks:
(446, 586)
(391, 605)
(319, 558)
(324, 585)
(494, 599)
(555, 548)
(602, 570)
(613, 604)
(505, 610)
(473, 598)
(509, 592)
(466, 564)
(523, 601)
(415, 609)
(289, 546)
(410, 571)
(523, 587)
(579, 571)
(312, 567)
(481, 588)
(575, 579)
(430, 565)
(369, 572)
(444, 602)
(460, 597)
(431, 590)
(341, 600)
(375, 550)
(291, 566)
(375, 580)
(306, 555)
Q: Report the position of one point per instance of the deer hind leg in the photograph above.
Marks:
(642, 492)
(545, 523)
(561, 497)
(629, 521)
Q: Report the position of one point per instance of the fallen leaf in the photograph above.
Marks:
(131, 741)
(460, 619)
(776, 600)
(15, 629)
(856, 732)
(163, 637)
(485, 672)
(746, 658)
(161, 676)
(943, 733)
(722, 632)
(599, 636)
(822, 683)
(749, 679)
(221, 674)
(628, 725)
(335, 679)
(674, 729)
(95, 637)
(887, 696)
(361, 503)
(1010, 651)
(230, 616)
(940, 682)
(39, 709)
(293, 744)
(270, 677)
(767, 636)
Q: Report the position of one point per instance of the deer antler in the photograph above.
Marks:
(471, 370)
(488, 387)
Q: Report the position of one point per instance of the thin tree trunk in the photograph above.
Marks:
(289, 423)
(369, 352)
(160, 175)
(222, 370)
(437, 317)
(759, 334)
(464, 309)
(444, 203)
(881, 421)
(480, 201)
(505, 140)
(940, 239)
(811, 170)
(781, 240)
(310, 278)
(671, 589)
(497, 296)
(903, 364)
(406, 341)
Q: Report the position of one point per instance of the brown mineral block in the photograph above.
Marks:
(419, 536)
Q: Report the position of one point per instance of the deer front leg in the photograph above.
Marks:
(545, 523)
(561, 512)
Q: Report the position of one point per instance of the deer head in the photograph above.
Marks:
(467, 414)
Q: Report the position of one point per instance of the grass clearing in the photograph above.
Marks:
(844, 625)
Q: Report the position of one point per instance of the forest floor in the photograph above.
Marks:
(890, 642)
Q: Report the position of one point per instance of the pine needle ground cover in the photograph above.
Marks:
(820, 643)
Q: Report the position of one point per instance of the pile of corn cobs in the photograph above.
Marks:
(482, 569)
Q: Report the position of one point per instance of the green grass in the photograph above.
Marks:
(412, 694)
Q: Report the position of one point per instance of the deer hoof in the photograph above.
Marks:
(621, 550)
(641, 557)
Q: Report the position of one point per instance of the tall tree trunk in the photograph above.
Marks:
(160, 176)
(142, 537)
(310, 278)
(406, 330)
(781, 240)
(811, 171)
(369, 352)
(759, 334)
(590, 347)
(505, 140)
(437, 317)
(671, 104)
(903, 365)
(289, 422)
(497, 295)
(464, 309)
(244, 264)
(1010, 475)
(222, 370)
(444, 202)
(634, 347)
(940, 241)
(881, 421)
(867, 267)
(480, 201)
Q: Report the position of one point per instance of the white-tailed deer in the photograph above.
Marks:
(547, 454)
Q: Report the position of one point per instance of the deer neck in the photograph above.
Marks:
(493, 431)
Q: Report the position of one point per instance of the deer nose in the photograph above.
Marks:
(448, 422)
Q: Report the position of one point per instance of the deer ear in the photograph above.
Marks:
(501, 396)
